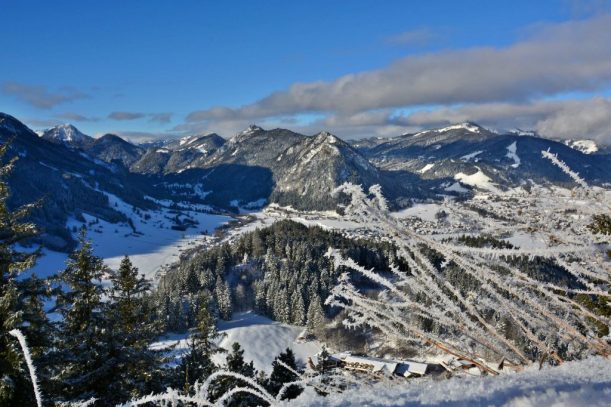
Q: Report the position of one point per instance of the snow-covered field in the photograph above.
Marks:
(154, 245)
(422, 211)
(261, 338)
(583, 383)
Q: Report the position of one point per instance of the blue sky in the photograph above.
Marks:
(141, 68)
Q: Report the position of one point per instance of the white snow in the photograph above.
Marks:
(520, 132)
(264, 339)
(512, 154)
(456, 187)
(467, 157)
(527, 240)
(154, 247)
(186, 140)
(422, 211)
(466, 126)
(585, 146)
(426, 168)
(49, 263)
(261, 338)
(479, 180)
(582, 383)
(159, 245)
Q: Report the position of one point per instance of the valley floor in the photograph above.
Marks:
(154, 245)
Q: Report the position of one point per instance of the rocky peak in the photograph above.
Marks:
(67, 135)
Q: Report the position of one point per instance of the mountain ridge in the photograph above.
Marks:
(274, 166)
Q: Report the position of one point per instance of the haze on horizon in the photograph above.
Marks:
(149, 70)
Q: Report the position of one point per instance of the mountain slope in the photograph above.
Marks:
(506, 159)
(178, 155)
(310, 170)
(67, 181)
(113, 149)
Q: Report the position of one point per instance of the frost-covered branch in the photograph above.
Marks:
(28, 359)
(480, 300)
(565, 168)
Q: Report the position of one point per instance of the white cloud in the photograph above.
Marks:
(40, 96)
(499, 85)
(572, 56)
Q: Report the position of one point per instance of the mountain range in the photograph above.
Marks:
(72, 173)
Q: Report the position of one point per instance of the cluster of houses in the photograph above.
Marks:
(389, 367)
(383, 367)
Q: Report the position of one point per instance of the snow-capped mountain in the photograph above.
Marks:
(454, 153)
(274, 166)
(307, 172)
(67, 135)
(175, 156)
(205, 143)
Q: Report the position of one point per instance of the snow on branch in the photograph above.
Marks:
(479, 301)
(28, 359)
(565, 168)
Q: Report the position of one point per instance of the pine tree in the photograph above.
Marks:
(282, 310)
(18, 309)
(197, 364)
(281, 375)
(298, 312)
(223, 299)
(84, 357)
(129, 335)
(316, 316)
(235, 363)
(323, 360)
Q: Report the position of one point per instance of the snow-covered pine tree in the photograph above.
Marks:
(19, 299)
(282, 309)
(260, 296)
(316, 316)
(235, 363)
(298, 311)
(223, 299)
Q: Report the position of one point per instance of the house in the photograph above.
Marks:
(376, 366)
